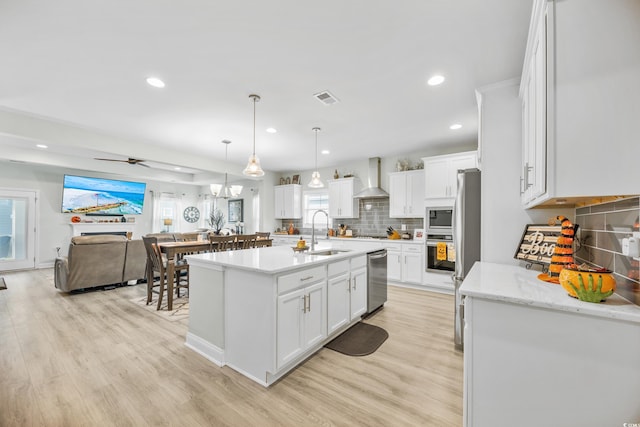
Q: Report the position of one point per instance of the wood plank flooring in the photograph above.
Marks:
(97, 359)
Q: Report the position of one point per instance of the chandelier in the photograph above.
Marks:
(225, 191)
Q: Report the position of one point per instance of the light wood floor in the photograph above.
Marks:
(97, 359)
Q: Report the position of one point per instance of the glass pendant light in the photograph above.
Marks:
(315, 176)
(253, 167)
(225, 191)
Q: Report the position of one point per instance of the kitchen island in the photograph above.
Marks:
(534, 356)
(263, 311)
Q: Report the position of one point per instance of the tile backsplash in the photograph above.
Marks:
(601, 230)
(373, 221)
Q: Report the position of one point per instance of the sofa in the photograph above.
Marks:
(100, 260)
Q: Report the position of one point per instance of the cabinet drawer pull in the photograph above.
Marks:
(302, 279)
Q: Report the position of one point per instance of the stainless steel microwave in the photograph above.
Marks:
(439, 218)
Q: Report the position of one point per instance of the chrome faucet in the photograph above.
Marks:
(313, 227)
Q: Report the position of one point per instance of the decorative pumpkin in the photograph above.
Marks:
(588, 285)
(75, 219)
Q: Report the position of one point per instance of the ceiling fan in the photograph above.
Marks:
(130, 160)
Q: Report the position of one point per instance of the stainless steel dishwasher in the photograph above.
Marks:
(376, 279)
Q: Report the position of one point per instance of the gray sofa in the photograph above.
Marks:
(100, 260)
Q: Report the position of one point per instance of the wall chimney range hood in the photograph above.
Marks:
(373, 190)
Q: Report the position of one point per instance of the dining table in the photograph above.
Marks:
(172, 250)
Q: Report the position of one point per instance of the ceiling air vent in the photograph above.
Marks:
(326, 97)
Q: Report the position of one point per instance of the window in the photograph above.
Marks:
(312, 201)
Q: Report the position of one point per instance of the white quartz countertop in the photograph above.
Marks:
(322, 237)
(278, 259)
(518, 285)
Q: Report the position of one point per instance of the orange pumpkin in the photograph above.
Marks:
(577, 277)
(75, 219)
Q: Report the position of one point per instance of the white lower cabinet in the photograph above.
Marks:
(405, 262)
(338, 296)
(302, 321)
(346, 293)
(394, 265)
(358, 287)
(412, 257)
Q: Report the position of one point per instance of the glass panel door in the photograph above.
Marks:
(17, 229)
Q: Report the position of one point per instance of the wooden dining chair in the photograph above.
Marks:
(263, 235)
(222, 243)
(246, 241)
(156, 264)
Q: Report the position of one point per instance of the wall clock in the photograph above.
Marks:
(191, 214)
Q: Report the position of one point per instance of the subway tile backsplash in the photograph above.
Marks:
(373, 221)
(601, 230)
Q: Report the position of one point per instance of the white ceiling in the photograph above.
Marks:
(84, 63)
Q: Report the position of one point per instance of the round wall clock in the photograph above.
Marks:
(191, 214)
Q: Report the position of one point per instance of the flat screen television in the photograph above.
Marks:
(100, 196)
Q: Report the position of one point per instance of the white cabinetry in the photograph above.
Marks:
(533, 91)
(301, 315)
(288, 201)
(515, 374)
(341, 201)
(337, 296)
(358, 287)
(406, 194)
(579, 92)
(440, 173)
(405, 262)
(346, 292)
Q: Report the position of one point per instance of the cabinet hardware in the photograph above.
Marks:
(304, 303)
(354, 284)
(302, 279)
(307, 303)
(527, 169)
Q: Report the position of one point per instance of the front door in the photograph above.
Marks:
(17, 229)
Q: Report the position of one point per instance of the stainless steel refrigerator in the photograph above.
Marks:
(466, 237)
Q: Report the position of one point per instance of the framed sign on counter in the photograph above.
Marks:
(537, 243)
(236, 210)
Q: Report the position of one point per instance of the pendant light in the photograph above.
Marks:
(315, 176)
(253, 167)
(225, 191)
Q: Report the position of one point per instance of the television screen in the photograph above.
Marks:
(85, 195)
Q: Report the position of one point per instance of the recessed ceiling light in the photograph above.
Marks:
(455, 126)
(42, 146)
(325, 152)
(155, 82)
(435, 80)
(177, 168)
(271, 130)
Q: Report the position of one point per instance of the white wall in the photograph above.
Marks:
(53, 226)
(503, 218)
(360, 168)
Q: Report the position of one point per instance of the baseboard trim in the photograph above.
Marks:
(205, 349)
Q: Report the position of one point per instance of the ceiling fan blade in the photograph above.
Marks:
(111, 160)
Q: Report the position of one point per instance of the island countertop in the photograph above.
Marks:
(518, 285)
(278, 259)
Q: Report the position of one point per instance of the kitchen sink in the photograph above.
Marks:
(327, 252)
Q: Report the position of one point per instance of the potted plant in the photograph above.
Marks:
(216, 220)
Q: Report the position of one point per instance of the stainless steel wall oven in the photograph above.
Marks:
(440, 252)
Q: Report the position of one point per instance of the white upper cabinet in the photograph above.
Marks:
(579, 93)
(288, 201)
(441, 172)
(406, 194)
(341, 201)
(533, 92)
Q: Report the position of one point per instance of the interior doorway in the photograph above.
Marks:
(17, 229)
